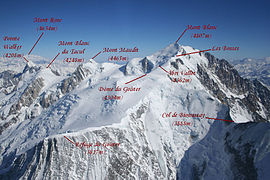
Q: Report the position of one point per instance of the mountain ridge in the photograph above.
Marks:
(71, 105)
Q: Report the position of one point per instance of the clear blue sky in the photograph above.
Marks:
(148, 25)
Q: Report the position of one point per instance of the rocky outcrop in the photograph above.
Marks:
(70, 83)
(147, 65)
(26, 99)
(229, 151)
(253, 91)
(9, 81)
(211, 85)
(228, 75)
(178, 62)
(28, 96)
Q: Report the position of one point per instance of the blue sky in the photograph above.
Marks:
(147, 25)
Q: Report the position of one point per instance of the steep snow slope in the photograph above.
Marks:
(45, 106)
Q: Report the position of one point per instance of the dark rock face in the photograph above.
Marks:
(31, 69)
(28, 96)
(9, 81)
(243, 151)
(178, 62)
(242, 157)
(26, 99)
(232, 149)
(48, 100)
(210, 84)
(228, 75)
(70, 83)
(254, 92)
(175, 65)
(262, 93)
(24, 164)
(147, 65)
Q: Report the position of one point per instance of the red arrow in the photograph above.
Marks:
(163, 69)
(35, 43)
(69, 140)
(193, 52)
(219, 119)
(53, 60)
(180, 36)
(25, 59)
(96, 55)
(135, 79)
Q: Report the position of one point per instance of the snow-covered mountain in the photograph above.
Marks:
(53, 121)
(254, 69)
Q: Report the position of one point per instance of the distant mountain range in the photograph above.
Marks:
(254, 69)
